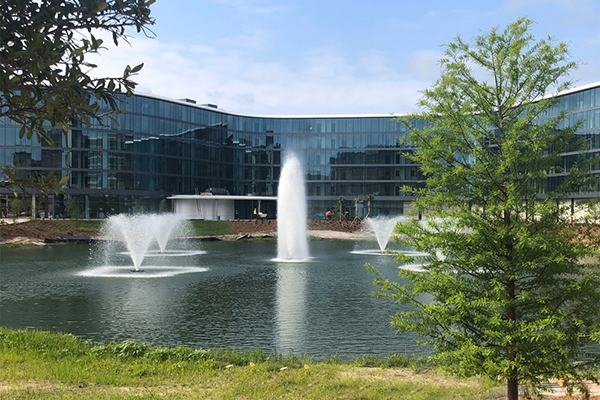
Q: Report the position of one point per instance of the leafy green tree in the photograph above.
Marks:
(72, 210)
(45, 80)
(163, 207)
(505, 292)
(591, 208)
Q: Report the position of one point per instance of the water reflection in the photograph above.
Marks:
(291, 292)
(243, 300)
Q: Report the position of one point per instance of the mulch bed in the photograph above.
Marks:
(257, 225)
(39, 230)
(333, 225)
(270, 225)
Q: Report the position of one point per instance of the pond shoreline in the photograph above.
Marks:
(43, 232)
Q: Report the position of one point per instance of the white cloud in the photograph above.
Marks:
(323, 82)
(425, 64)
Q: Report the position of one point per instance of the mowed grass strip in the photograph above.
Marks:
(210, 228)
(43, 365)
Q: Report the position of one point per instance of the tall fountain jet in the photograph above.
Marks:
(292, 241)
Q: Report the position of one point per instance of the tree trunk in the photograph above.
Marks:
(512, 389)
(512, 383)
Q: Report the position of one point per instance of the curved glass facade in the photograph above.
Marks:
(163, 147)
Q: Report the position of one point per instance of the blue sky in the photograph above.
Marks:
(277, 57)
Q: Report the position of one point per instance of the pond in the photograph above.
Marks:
(233, 296)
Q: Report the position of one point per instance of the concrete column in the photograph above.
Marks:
(33, 207)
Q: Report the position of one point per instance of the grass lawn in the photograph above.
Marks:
(92, 226)
(42, 365)
(210, 228)
(198, 227)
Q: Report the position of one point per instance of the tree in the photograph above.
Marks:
(45, 80)
(15, 207)
(339, 207)
(43, 184)
(356, 201)
(163, 207)
(369, 197)
(137, 208)
(510, 293)
(72, 210)
(592, 210)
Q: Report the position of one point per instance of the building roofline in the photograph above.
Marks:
(221, 111)
(219, 197)
(577, 89)
(317, 116)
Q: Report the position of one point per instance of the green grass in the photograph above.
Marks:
(42, 365)
(93, 226)
(210, 228)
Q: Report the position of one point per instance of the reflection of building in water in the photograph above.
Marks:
(163, 147)
(291, 307)
(137, 308)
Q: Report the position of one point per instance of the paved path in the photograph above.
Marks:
(555, 390)
(11, 221)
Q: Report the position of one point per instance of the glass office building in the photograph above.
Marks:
(163, 147)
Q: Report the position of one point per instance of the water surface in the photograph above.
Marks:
(243, 300)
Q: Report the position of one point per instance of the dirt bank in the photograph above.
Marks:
(37, 232)
(22, 232)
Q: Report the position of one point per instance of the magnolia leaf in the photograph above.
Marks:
(100, 6)
(113, 119)
(85, 119)
(137, 68)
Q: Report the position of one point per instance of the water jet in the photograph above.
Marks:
(292, 240)
(383, 227)
(137, 233)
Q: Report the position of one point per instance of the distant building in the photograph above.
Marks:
(163, 147)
